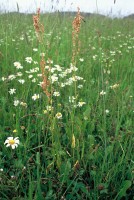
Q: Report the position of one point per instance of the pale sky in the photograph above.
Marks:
(121, 7)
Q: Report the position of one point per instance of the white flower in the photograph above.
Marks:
(47, 67)
(28, 59)
(62, 85)
(42, 54)
(35, 97)
(72, 99)
(73, 68)
(35, 62)
(30, 76)
(34, 80)
(35, 49)
(19, 74)
(81, 103)
(81, 59)
(94, 57)
(12, 91)
(58, 68)
(58, 115)
(3, 78)
(102, 92)
(40, 84)
(23, 104)
(16, 102)
(53, 78)
(56, 94)
(12, 142)
(107, 111)
(114, 86)
(80, 86)
(49, 108)
(22, 81)
(22, 38)
(11, 77)
(18, 65)
(50, 61)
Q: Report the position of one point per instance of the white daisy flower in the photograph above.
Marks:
(106, 111)
(102, 92)
(18, 65)
(35, 49)
(81, 59)
(28, 59)
(12, 142)
(22, 81)
(12, 91)
(56, 94)
(3, 78)
(49, 108)
(81, 103)
(58, 115)
(35, 97)
(16, 102)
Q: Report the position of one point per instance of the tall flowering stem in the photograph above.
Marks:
(45, 83)
(75, 35)
(39, 29)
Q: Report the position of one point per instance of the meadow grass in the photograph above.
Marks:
(77, 143)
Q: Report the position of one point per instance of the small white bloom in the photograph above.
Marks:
(22, 81)
(34, 80)
(58, 68)
(35, 62)
(72, 99)
(114, 86)
(49, 108)
(80, 86)
(53, 78)
(35, 49)
(23, 104)
(42, 54)
(81, 103)
(62, 85)
(22, 38)
(28, 59)
(19, 74)
(102, 93)
(11, 77)
(18, 65)
(16, 102)
(107, 111)
(58, 115)
(3, 78)
(47, 67)
(12, 91)
(50, 61)
(81, 59)
(35, 97)
(30, 76)
(56, 94)
(12, 142)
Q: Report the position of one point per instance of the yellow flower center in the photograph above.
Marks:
(11, 142)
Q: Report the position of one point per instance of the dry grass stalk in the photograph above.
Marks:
(75, 35)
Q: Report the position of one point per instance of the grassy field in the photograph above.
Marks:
(66, 104)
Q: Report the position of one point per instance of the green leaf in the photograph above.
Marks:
(125, 185)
